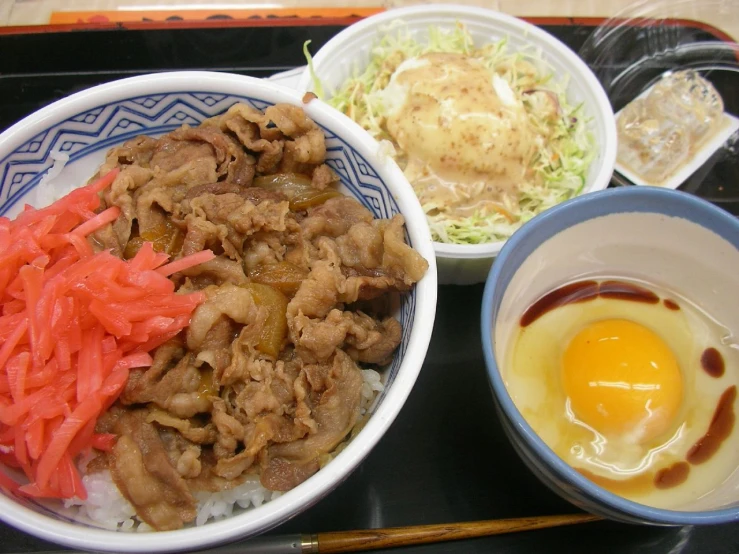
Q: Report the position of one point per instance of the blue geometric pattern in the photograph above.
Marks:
(112, 124)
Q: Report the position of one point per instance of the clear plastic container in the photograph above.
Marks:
(649, 40)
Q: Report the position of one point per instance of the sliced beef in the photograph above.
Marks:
(120, 193)
(105, 238)
(334, 217)
(283, 475)
(136, 152)
(319, 293)
(263, 249)
(361, 286)
(364, 338)
(290, 120)
(240, 214)
(188, 464)
(303, 152)
(219, 187)
(371, 341)
(186, 428)
(201, 234)
(255, 195)
(231, 431)
(232, 467)
(186, 144)
(175, 390)
(219, 270)
(246, 362)
(225, 221)
(269, 151)
(323, 177)
(235, 303)
(336, 411)
(317, 338)
(238, 394)
(142, 470)
(139, 380)
(398, 258)
(172, 153)
(361, 246)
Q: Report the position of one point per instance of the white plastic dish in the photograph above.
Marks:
(83, 127)
(349, 51)
(728, 125)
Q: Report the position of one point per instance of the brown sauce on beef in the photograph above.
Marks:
(718, 430)
(712, 362)
(672, 476)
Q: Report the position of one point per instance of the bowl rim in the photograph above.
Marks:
(342, 40)
(256, 520)
(629, 199)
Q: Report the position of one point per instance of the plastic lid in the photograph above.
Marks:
(632, 51)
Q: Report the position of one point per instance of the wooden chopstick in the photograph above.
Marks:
(370, 539)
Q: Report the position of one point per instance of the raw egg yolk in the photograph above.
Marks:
(622, 380)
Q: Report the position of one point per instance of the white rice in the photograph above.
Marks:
(220, 505)
(371, 386)
(107, 508)
(46, 192)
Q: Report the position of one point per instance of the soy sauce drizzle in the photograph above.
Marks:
(671, 304)
(718, 430)
(665, 478)
(627, 291)
(579, 291)
(712, 362)
(723, 420)
(672, 476)
(583, 291)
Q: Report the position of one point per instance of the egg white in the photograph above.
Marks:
(533, 378)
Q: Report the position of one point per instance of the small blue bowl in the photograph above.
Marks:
(667, 237)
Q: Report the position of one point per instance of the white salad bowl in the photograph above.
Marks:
(348, 53)
(79, 130)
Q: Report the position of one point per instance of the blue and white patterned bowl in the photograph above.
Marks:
(82, 128)
(663, 236)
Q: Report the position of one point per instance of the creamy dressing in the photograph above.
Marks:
(466, 136)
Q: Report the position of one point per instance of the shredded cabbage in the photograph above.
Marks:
(564, 147)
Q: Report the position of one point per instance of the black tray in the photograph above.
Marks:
(446, 458)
